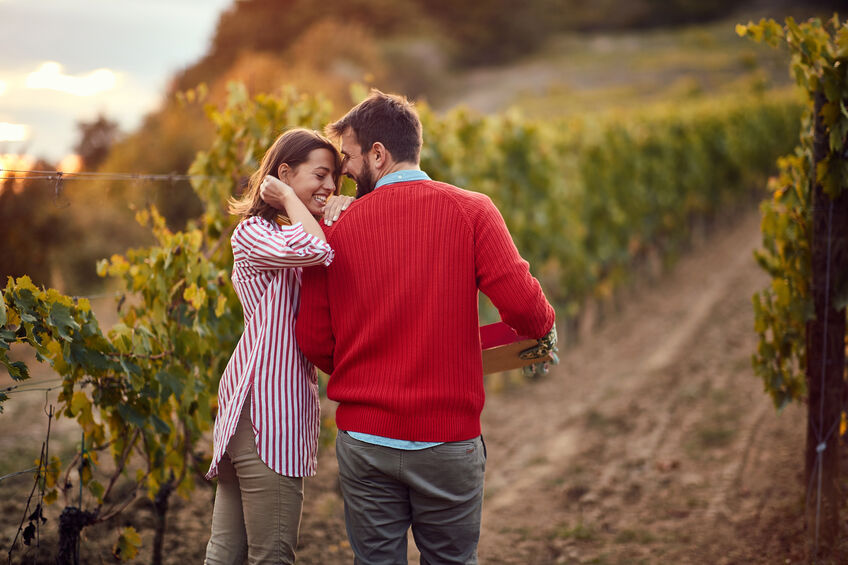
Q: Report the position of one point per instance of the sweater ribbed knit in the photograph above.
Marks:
(394, 318)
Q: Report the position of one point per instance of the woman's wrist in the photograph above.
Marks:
(276, 192)
(288, 196)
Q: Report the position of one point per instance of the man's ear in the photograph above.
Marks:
(381, 154)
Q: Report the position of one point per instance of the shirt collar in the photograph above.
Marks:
(402, 176)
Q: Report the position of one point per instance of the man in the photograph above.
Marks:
(394, 322)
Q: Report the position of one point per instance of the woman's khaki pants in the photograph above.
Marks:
(257, 512)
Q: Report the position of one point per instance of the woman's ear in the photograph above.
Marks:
(282, 172)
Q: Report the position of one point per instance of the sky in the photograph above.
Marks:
(62, 61)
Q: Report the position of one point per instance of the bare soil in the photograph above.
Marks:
(651, 442)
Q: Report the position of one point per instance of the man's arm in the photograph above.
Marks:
(313, 329)
(505, 277)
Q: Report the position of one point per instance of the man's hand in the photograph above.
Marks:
(275, 192)
(546, 345)
(335, 206)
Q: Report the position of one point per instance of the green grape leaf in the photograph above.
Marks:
(130, 415)
(97, 490)
(17, 370)
(160, 425)
(61, 318)
(171, 384)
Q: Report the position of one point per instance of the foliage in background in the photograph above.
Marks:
(145, 392)
(408, 47)
(32, 229)
(96, 140)
(588, 199)
(166, 142)
(478, 33)
(274, 27)
(819, 65)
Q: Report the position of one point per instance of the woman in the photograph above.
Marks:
(266, 431)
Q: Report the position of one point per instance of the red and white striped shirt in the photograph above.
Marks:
(267, 362)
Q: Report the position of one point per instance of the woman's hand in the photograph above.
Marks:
(335, 206)
(275, 192)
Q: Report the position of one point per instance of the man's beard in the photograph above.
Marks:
(365, 183)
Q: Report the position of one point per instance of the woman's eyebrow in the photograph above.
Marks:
(319, 167)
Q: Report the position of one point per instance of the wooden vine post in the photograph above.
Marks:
(825, 369)
(801, 318)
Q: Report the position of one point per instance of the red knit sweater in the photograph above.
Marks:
(394, 318)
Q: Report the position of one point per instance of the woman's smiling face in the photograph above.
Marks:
(313, 180)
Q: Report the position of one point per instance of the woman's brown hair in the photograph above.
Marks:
(293, 148)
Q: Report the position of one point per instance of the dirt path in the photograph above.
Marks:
(651, 442)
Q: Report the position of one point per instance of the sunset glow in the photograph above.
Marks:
(71, 163)
(2, 88)
(14, 162)
(50, 76)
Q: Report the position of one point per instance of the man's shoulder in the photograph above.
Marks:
(460, 195)
(385, 199)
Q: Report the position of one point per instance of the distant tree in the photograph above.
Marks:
(167, 142)
(32, 229)
(494, 31)
(274, 26)
(95, 140)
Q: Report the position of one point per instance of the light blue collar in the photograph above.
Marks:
(402, 176)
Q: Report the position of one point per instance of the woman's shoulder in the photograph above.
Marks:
(251, 227)
(254, 223)
(255, 220)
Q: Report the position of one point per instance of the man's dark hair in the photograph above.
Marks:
(387, 118)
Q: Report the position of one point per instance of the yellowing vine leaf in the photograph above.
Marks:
(128, 544)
